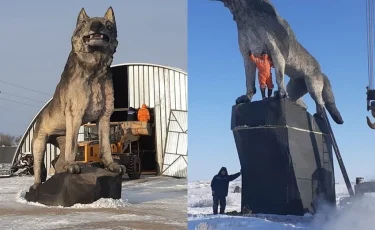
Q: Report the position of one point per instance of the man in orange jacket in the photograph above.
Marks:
(264, 65)
(143, 114)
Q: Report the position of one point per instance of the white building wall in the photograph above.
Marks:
(176, 150)
(163, 89)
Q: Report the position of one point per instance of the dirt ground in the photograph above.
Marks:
(147, 203)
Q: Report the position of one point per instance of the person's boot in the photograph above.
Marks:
(269, 93)
(263, 92)
(215, 207)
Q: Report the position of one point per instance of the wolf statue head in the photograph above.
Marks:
(248, 10)
(96, 34)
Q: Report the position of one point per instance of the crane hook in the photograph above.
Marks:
(369, 123)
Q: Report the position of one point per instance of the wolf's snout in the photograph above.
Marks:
(96, 26)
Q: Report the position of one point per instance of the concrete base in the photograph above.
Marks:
(286, 158)
(64, 189)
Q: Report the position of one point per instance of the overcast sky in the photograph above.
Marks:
(35, 43)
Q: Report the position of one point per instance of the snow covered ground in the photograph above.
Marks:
(360, 216)
(147, 203)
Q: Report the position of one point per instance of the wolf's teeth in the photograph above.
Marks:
(101, 36)
(91, 36)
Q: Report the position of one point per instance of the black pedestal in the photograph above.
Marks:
(68, 189)
(286, 158)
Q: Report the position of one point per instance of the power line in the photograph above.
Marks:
(24, 87)
(10, 94)
(1, 98)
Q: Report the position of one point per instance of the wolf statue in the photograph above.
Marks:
(261, 28)
(84, 94)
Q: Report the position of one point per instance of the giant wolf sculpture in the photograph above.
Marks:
(261, 28)
(84, 94)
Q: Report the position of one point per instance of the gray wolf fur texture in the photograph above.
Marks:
(261, 28)
(84, 94)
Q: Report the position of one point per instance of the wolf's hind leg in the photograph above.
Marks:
(38, 147)
(315, 84)
(296, 89)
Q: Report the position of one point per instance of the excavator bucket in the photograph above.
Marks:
(136, 128)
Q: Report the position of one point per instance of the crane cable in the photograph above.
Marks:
(369, 22)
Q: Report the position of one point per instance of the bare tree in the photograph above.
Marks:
(8, 140)
(17, 139)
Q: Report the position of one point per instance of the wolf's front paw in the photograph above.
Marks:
(73, 169)
(114, 167)
(33, 187)
(282, 93)
(242, 99)
(250, 94)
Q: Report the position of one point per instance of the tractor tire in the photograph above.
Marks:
(134, 169)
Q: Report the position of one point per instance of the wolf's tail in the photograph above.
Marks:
(329, 101)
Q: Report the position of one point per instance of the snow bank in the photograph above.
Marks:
(101, 203)
(242, 223)
(359, 215)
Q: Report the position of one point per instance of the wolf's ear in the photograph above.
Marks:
(82, 15)
(110, 15)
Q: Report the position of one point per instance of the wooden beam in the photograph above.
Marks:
(121, 109)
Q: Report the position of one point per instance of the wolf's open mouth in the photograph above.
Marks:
(96, 37)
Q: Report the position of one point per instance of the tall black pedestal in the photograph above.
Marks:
(286, 158)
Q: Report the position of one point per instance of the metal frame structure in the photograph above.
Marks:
(176, 151)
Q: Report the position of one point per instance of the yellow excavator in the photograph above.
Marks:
(125, 147)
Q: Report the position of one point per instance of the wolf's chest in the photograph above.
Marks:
(250, 41)
(96, 104)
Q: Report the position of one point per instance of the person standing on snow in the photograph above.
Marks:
(219, 187)
(264, 65)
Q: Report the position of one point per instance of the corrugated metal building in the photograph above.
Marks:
(164, 90)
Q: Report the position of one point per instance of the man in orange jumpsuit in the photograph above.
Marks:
(264, 65)
(143, 114)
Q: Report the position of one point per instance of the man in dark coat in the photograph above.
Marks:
(219, 187)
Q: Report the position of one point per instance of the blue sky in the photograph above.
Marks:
(333, 31)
